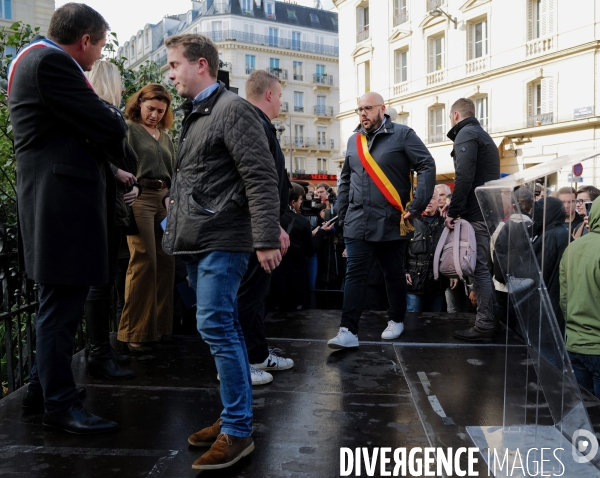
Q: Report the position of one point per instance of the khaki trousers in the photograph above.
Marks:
(148, 310)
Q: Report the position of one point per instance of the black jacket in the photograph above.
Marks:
(419, 256)
(283, 181)
(365, 211)
(555, 240)
(476, 161)
(63, 134)
(224, 192)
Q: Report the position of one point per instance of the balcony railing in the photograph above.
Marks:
(278, 42)
(539, 46)
(279, 73)
(322, 171)
(322, 79)
(436, 138)
(298, 77)
(539, 120)
(249, 70)
(299, 109)
(433, 4)
(322, 110)
(324, 144)
(299, 141)
(362, 36)
(284, 107)
(436, 77)
(401, 18)
(477, 65)
(400, 88)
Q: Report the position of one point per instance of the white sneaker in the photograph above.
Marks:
(274, 362)
(393, 330)
(259, 377)
(343, 339)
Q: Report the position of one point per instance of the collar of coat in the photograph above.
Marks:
(204, 107)
(458, 126)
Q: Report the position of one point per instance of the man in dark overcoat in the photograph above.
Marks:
(62, 134)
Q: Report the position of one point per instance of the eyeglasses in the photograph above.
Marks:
(581, 201)
(368, 109)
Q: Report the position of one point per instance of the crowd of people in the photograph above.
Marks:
(221, 214)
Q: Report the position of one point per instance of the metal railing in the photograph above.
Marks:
(299, 109)
(362, 36)
(401, 18)
(284, 107)
(322, 110)
(249, 70)
(274, 41)
(324, 144)
(298, 77)
(436, 138)
(279, 73)
(323, 79)
(539, 120)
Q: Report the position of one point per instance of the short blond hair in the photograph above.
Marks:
(258, 83)
(106, 80)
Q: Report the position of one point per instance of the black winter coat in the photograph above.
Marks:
(419, 256)
(224, 192)
(364, 210)
(62, 133)
(555, 240)
(476, 161)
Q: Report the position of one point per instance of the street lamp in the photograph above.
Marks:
(438, 12)
(280, 130)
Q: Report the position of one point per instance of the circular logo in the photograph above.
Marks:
(586, 448)
(578, 169)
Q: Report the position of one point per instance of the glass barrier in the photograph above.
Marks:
(524, 221)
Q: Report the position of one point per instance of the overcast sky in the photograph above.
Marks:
(126, 17)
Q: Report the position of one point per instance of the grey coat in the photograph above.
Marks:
(366, 212)
(224, 193)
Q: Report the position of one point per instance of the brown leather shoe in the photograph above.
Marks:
(226, 451)
(206, 436)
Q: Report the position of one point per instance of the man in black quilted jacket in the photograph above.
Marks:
(476, 162)
(223, 206)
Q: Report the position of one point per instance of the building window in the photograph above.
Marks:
(299, 102)
(363, 78)
(436, 53)
(481, 110)
(270, 9)
(540, 102)
(402, 119)
(133, 49)
(273, 36)
(147, 39)
(299, 164)
(437, 124)
(314, 18)
(540, 18)
(322, 165)
(250, 64)
(296, 40)
(477, 39)
(6, 9)
(322, 136)
(400, 12)
(400, 66)
(274, 63)
(248, 35)
(246, 7)
(299, 135)
(298, 75)
(292, 15)
(362, 23)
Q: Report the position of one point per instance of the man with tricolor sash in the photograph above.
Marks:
(376, 206)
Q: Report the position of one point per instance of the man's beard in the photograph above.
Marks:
(373, 125)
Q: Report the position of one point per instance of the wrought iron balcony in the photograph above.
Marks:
(249, 70)
(362, 36)
(299, 109)
(279, 73)
(401, 18)
(436, 138)
(322, 110)
(323, 79)
(539, 120)
(298, 77)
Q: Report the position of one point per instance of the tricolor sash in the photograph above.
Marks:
(382, 181)
(41, 43)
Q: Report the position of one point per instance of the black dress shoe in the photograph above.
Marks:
(119, 358)
(78, 420)
(33, 402)
(473, 334)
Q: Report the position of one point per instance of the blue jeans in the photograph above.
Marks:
(360, 259)
(587, 371)
(216, 278)
(433, 303)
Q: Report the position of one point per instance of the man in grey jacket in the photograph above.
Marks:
(372, 225)
(476, 162)
(223, 205)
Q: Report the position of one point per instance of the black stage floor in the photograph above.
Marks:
(422, 390)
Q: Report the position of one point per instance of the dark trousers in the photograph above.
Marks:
(360, 256)
(587, 371)
(60, 311)
(482, 279)
(251, 298)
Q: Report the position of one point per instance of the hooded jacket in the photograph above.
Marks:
(580, 289)
(554, 240)
(365, 211)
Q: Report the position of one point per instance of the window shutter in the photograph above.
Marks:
(530, 107)
(360, 19)
(431, 45)
(550, 17)
(397, 67)
(547, 95)
(544, 18)
(470, 41)
(530, 26)
(431, 122)
(443, 52)
(484, 32)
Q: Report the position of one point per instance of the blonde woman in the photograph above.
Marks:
(102, 360)
(148, 311)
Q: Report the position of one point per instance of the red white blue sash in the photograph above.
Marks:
(41, 43)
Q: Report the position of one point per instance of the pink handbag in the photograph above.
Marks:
(456, 253)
